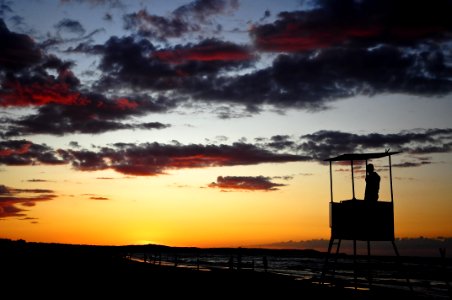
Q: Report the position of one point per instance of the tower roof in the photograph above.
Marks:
(360, 156)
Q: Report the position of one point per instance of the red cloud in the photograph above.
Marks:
(39, 93)
(150, 159)
(23, 152)
(206, 51)
(363, 22)
(23, 148)
(202, 54)
(298, 36)
(124, 104)
(11, 197)
(198, 161)
(250, 183)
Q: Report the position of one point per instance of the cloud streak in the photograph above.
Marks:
(11, 198)
(248, 183)
(185, 19)
(355, 23)
(152, 159)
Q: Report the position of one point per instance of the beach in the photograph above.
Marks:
(61, 271)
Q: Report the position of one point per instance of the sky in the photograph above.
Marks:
(205, 123)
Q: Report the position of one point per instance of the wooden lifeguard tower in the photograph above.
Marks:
(360, 220)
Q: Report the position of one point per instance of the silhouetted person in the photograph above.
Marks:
(372, 184)
(265, 263)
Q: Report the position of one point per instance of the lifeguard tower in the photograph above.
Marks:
(360, 220)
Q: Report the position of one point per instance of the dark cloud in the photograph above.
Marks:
(10, 198)
(201, 10)
(17, 51)
(306, 80)
(53, 41)
(151, 125)
(108, 17)
(151, 159)
(158, 27)
(70, 26)
(266, 15)
(412, 164)
(23, 152)
(207, 57)
(128, 62)
(98, 198)
(5, 8)
(185, 19)
(109, 3)
(368, 22)
(74, 144)
(207, 50)
(311, 81)
(37, 180)
(63, 109)
(325, 144)
(61, 120)
(249, 183)
(280, 142)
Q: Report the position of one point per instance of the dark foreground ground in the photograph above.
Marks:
(56, 271)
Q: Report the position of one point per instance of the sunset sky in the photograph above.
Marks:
(205, 123)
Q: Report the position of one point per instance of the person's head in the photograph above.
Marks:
(370, 168)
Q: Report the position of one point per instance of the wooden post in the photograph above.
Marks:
(353, 180)
(331, 182)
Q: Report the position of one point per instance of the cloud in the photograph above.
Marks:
(98, 198)
(250, 183)
(23, 152)
(185, 19)
(63, 109)
(17, 51)
(10, 198)
(150, 159)
(311, 81)
(110, 3)
(356, 23)
(70, 26)
(280, 142)
(5, 8)
(202, 9)
(64, 120)
(127, 62)
(325, 143)
(206, 51)
(210, 56)
(158, 27)
(37, 180)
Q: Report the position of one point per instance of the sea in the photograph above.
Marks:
(425, 276)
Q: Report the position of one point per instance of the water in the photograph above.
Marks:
(426, 275)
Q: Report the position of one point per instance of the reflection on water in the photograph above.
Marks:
(426, 275)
